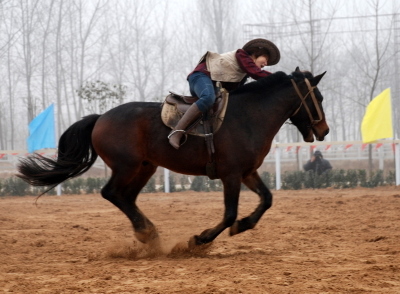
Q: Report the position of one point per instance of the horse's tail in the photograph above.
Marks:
(75, 156)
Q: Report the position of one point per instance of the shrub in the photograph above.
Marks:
(391, 178)
(73, 186)
(183, 182)
(172, 183)
(92, 185)
(150, 186)
(268, 179)
(199, 183)
(41, 190)
(376, 179)
(293, 180)
(15, 187)
(362, 178)
(215, 185)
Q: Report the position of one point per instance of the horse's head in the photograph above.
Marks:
(309, 117)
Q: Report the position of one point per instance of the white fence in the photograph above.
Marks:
(384, 152)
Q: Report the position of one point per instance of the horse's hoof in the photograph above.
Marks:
(196, 246)
(234, 229)
(147, 236)
(180, 247)
(193, 242)
(241, 226)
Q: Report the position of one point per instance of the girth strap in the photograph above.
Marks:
(211, 168)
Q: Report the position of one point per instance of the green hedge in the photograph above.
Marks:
(16, 187)
(337, 179)
(293, 180)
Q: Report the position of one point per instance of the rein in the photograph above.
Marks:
(303, 99)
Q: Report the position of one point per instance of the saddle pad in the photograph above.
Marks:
(171, 114)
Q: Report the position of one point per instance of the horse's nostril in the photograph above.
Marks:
(326, 132)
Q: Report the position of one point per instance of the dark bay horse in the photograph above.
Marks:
(132, 141)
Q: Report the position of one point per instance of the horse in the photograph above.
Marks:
(132, 140)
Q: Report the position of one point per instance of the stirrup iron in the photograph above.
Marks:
(176, 131)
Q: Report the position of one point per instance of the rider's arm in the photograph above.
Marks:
(248, 66)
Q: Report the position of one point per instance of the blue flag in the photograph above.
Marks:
(42, 131)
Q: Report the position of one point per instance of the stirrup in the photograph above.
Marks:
(175, 131)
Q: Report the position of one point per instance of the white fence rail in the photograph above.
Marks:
(383, 151)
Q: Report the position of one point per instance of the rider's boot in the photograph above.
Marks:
(190, 116)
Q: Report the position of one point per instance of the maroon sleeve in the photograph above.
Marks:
(248, 66)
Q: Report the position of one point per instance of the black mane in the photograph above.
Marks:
(263, 83)
(272, 81)
(301, 75)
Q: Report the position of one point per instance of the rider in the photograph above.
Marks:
(232, 69)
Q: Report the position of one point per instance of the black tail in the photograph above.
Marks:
(75, 156)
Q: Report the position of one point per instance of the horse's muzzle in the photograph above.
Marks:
(320, 130)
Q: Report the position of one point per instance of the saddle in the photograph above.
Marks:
(175, 106)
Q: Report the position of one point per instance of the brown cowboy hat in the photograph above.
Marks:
(274, 54)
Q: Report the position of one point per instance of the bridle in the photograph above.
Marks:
(303, 100)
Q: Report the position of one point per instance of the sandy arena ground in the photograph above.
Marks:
(321, 241)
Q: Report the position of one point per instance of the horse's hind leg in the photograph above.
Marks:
(254, 183)
(122, 191)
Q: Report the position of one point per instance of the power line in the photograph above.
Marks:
(320, 19)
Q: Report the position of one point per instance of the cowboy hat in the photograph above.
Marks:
(274, 54)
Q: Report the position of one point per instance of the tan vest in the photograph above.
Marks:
(224, 67)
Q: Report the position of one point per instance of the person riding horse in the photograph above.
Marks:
(231, 69)
(130, 139)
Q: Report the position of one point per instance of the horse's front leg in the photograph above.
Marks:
(254, 183)
(231, 199)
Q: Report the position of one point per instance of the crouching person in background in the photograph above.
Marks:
(318, 164)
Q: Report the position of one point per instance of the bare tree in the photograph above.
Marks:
(9, 37)
(164, 44)
(29, 22)
(218, 17)
(85, 29)
(120, 46)
(58, 61)
(304, 41)
(370, 55)
(49, 49)
(141, 57)
(47, 12)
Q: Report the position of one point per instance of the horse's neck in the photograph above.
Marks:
(262, 116)
(274, 110)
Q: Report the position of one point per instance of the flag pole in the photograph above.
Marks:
(396, 151)
(56, 131)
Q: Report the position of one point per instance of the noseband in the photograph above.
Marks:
(303, 100)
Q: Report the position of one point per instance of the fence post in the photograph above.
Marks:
(397, 163)
(278, 167)
(166, 180)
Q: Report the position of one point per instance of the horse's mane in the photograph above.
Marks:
(300, 75)
(263, 83)
(271, 81)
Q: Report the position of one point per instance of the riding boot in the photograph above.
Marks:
(190, 116)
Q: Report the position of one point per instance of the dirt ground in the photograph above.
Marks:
(310, 241)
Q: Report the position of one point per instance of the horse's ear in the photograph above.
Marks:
(315, 80)
(297, 69)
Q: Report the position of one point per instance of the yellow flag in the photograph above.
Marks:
(377, 121)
